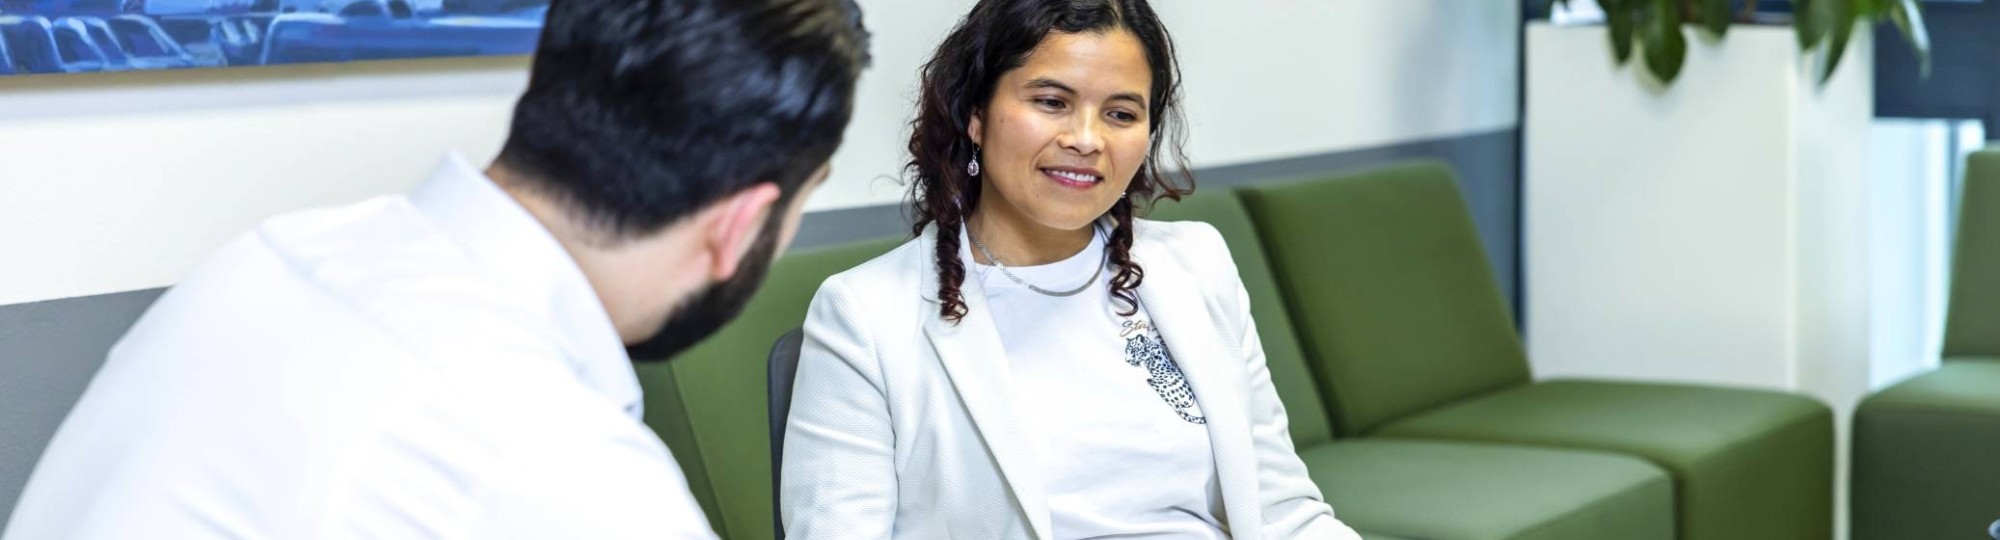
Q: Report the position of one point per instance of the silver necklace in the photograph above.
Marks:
(1024, 283)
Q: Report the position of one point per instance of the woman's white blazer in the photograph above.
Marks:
(901, 423)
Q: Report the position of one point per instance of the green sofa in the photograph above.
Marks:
(1407, 390)
(1927, 450)
(1410, 338)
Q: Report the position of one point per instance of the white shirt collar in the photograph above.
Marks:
(519, 251)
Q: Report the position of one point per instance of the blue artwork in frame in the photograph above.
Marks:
(76, 36)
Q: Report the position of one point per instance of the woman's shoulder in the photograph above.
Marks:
(1190, 241)
(893, 272)
(871, 308)
(1194, 247)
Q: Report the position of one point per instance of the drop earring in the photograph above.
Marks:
(972, 168)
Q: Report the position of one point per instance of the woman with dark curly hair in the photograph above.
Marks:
(1038, 362)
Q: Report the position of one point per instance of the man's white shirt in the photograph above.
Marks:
(424, 366)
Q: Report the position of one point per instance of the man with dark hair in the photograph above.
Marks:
(457, 362)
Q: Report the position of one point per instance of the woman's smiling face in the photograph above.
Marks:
(1064, 133)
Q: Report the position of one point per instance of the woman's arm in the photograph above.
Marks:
(839, 474)
(1293, 505)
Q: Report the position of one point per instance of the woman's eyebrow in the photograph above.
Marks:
(1044, 82)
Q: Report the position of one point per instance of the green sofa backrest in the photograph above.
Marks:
(1385, 278)
(1297, 387)
(711, 406)
(1972, 322)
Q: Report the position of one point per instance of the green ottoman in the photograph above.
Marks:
(1927, 455)
(1471, 491)
(1746, 464)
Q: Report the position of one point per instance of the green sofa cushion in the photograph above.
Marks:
(1972, 323)
(1747, 464)
(1472, 491)
(1927, 455)
(1960, 385)
(1384, 275)
(1289, 374)
(710, 404)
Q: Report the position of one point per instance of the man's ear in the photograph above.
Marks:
(734, 227)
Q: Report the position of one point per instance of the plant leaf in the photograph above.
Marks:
(1844, 18)
(1666, 47)
(1806, 20)
(1716, 16)
(1909, 18)
(1619, 19)
(1869, 9)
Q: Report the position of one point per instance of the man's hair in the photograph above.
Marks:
(640, 112)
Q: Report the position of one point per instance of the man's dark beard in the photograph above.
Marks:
(714, 306)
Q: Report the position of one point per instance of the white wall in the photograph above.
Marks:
(1916, 163)
(124, 181)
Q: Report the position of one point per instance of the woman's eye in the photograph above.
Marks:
(1123, 116)
(1050, 103)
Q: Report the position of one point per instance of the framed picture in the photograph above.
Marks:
(77, 36)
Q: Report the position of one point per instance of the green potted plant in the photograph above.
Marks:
(1655, 27)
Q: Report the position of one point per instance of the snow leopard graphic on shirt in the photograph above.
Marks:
(1144, 347)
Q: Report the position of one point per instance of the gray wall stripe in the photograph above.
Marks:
(48, 352)
(50, 349)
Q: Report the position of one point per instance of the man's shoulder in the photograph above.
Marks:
(315, 278)
(379, 250)
(339, 309)
(401, 275)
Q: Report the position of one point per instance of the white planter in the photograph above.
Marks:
(1714, 231)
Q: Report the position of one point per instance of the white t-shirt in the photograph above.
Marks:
(1120, 437)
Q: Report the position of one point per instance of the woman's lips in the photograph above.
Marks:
(1072, 179)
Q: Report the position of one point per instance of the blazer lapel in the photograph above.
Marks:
(1214, 368)
(972, 355)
